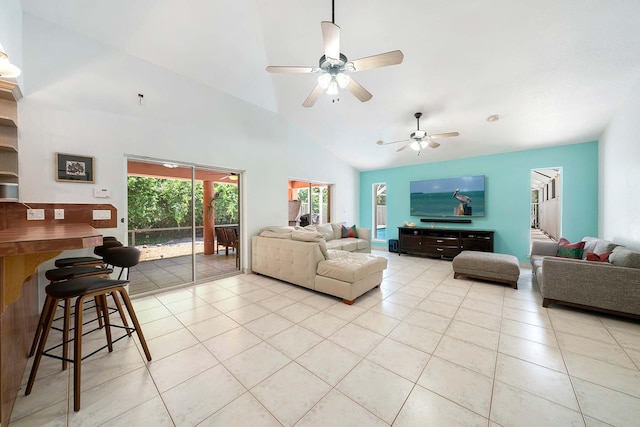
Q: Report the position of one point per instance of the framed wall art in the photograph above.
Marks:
(74, 168)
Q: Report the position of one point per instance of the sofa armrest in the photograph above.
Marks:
(364, 233)
(544, 248)
(592, 284)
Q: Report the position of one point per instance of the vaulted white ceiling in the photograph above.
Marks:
(555, 70)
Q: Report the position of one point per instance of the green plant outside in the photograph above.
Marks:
(166, 203)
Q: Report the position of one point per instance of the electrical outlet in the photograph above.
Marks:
(35, 214)
(101, 214)
(58, 213)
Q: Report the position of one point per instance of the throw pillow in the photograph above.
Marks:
(349, 231)
(567, 249)
(326, 230)
(337, 229)
(625, 257)
(598, 258)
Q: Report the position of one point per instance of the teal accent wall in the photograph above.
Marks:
(507, 193)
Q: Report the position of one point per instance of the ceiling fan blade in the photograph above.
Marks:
(392, 142)
(377, 61)
(313, 96)
(433, 144)
(403, 147)
(358, 91)
(331, 38)
(444, 135)
(287, 69)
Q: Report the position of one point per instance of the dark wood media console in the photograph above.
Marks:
(443, 242)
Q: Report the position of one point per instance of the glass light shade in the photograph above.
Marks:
(415, 145)
(343, 80)
(423, 144)
(333, 87)
(7, 69)
(324, 79)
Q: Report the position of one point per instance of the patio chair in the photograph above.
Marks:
(222, 239)
(232, 237)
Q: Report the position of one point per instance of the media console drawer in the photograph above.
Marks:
(441, 241)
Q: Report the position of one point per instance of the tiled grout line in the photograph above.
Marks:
(425, 297)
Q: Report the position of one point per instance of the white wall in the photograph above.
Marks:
(11, 32)
(81, 97)
(619, 157)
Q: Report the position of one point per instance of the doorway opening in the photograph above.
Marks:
(379, 211)
(184, 220)
(546, 204)
(309, 203)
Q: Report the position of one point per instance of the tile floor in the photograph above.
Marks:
(422, 350)
(161, 274)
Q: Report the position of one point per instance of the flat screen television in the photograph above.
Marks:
(448, 197)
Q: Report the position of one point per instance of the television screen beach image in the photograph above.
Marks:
(448, 197)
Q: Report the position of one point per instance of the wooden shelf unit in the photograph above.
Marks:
(443, 242)
(9, 96)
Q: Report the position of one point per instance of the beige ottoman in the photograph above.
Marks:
(350, 276)
(487, 266)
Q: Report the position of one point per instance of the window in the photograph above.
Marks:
(379, 211)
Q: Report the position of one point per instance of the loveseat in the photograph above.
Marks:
(302, 257)
(610, 286)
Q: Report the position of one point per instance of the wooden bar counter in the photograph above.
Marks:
(22, 250)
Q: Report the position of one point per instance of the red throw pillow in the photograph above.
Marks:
(598, 258)
(567, 249)
(349, 231)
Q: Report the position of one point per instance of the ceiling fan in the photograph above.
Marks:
(334, 67)
(233, 177)
(420, 139)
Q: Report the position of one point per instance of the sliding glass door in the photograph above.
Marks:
(184, 219)
(309, 203)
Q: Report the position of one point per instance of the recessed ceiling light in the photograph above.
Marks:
(494, 118)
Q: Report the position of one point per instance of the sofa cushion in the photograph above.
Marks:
(536, 261)
(349, 244)
(624, 257)
(352, 267)
(337, 229)
(306, 236)
(275, 235)
(337, 253)
(567, 249)
(278, 229)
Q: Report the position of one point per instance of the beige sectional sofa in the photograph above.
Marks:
(302, 257)
(611, 287)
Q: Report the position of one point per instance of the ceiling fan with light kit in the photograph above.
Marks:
(420, 139)
(334, 67)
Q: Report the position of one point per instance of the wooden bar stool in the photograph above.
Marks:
(81, 289)
(62, 274)
(107, 242)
